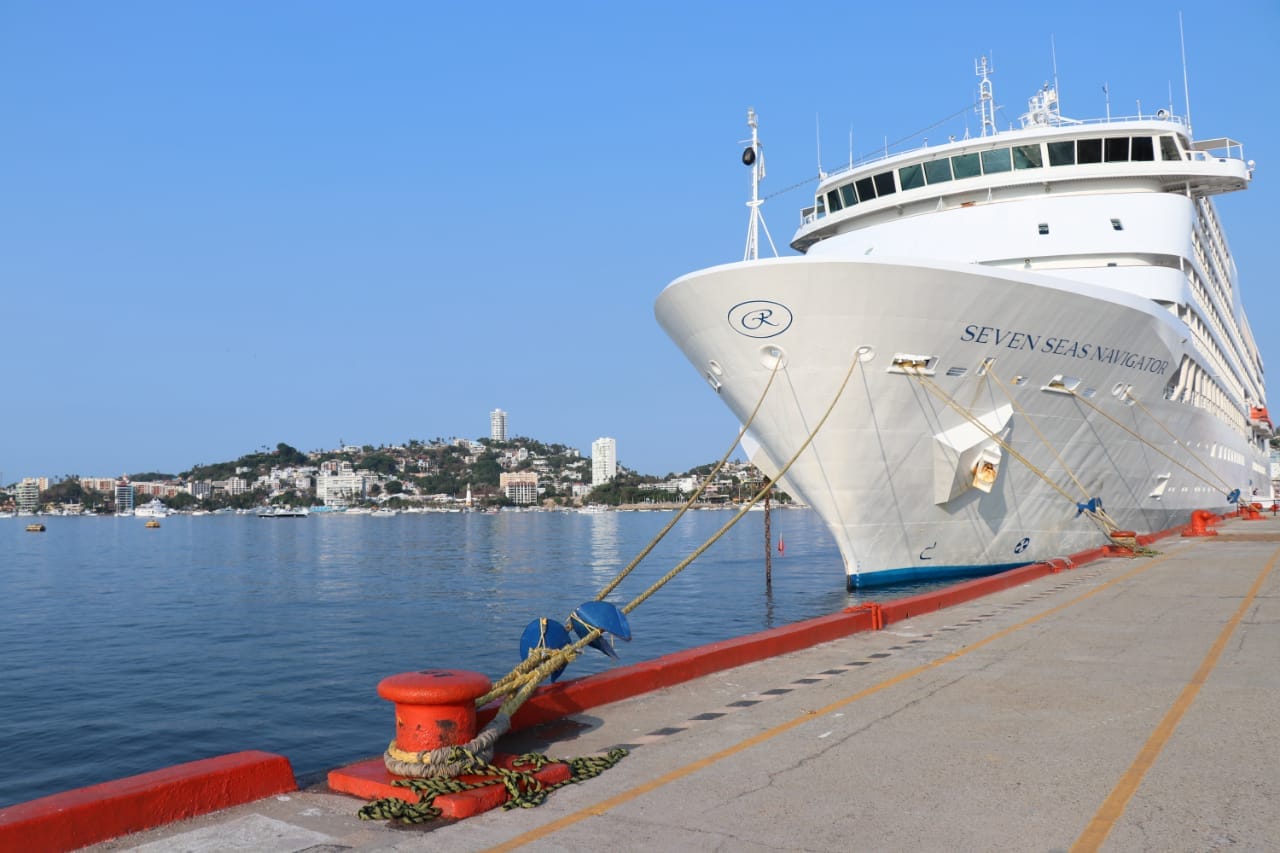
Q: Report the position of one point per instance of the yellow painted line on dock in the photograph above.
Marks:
(767, 735)
(1113, 807)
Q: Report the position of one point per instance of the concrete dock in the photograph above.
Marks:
(1129, 704)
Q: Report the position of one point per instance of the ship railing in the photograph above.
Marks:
(897, 151)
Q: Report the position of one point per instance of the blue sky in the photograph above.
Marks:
(226, 225)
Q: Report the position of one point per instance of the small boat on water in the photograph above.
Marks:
(283, 512)
(151, 522)
(35, 528)
(153, 508)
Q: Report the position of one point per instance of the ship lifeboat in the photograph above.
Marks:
(1260, 421)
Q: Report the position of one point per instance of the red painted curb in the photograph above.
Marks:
(96, 813)
(556, 701)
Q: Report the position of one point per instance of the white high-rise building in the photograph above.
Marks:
(28, 495)
(124, 495)
(497, 425)
(604, 460)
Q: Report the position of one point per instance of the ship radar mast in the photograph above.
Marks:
(986, 99)
(753, 158)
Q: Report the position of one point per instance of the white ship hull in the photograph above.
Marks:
(891, 471)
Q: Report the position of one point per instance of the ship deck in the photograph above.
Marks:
(1127, 704)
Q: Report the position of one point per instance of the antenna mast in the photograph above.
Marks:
(1053, 51)
(987, 100)
(1186, 89)
(753, 157)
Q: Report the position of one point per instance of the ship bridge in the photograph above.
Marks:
(1149, 153)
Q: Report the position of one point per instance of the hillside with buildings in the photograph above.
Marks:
(438, 474)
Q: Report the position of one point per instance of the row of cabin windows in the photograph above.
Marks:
(1069, 152)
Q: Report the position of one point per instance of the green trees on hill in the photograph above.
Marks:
(256, 463)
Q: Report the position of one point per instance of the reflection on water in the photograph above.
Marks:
(221, 633)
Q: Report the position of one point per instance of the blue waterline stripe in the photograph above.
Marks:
(889, 577)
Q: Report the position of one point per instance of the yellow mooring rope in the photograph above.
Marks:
(1098, 515)
(538, 656)
(524, 684)
(1224, 485)
(524, 679)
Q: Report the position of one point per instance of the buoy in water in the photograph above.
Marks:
(781, 546)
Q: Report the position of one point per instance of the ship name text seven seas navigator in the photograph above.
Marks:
(977, 334)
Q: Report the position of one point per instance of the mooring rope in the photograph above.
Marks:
(524, 789)
(520, 685)
(1096, 513)
(1036, 429)
(539, 655)
(1224, 485)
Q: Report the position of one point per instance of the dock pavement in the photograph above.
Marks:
(1129, 704)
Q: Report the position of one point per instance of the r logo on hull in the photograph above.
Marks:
(760, 318)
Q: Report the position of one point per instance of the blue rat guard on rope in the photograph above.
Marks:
(543, 633)
(604, 616)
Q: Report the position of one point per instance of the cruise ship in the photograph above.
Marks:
(999, 350)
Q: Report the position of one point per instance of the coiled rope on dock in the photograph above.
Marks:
(524, 789)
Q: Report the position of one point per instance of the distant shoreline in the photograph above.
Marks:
(679, 504)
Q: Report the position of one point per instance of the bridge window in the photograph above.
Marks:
(938, 171)
(966, 166)
(1169, 149)
(1062, 153)
(1027, 157)
(848, 196)
(884, 184)
(1117, 149)
(1089, 151)
(996, 161)
(911, 177)
(833, 201)
(1142, 149)
(866, 190)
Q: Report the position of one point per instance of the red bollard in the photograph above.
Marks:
(1201, 520)
(435, 707)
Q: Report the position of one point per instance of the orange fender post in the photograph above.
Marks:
(436, 708)
(1201, 524)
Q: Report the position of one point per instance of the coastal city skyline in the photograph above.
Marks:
(441, 474)
(603, 454)
(229, 226)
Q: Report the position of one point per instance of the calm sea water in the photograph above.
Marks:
(127, 649)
